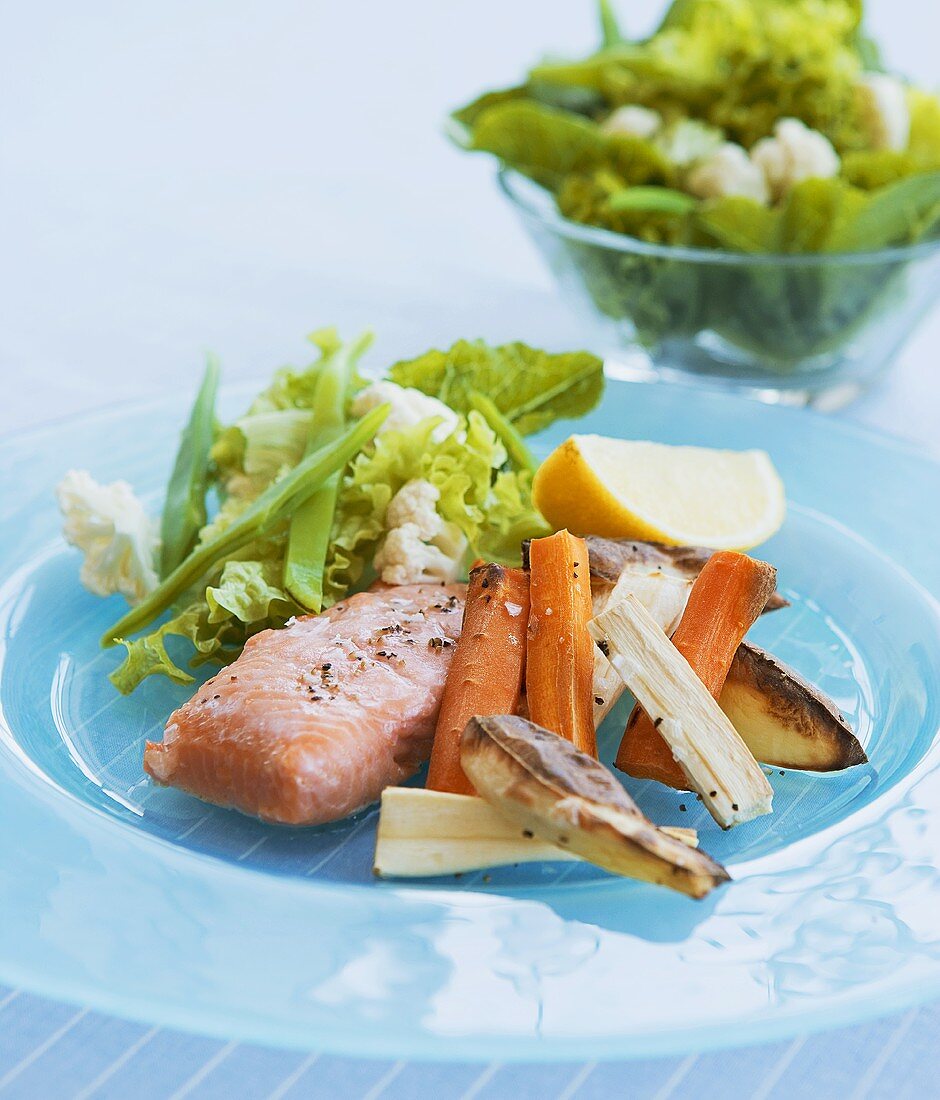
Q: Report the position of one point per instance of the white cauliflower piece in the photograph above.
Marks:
(794, 153)
(882, 104)
(405, 558)
(408, 408)
(687, 140)
(119, 539)
(415, 503)
(633, 121)
(727, 171)
(419, 547)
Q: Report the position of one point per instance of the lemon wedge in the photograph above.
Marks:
(685, 496)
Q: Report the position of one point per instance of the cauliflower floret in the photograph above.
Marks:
(420, 546)
(882, 103)
(633, 121)
(408, 408)
(406, 559)
(793, 154)
(727, 171)
(687, 140)
(118, 538)
(415, 502)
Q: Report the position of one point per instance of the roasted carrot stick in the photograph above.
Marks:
(488, 668)
(560, 656)
(726, 599)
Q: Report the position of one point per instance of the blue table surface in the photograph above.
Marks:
(49, 1049)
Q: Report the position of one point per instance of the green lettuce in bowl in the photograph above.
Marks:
(744, 193)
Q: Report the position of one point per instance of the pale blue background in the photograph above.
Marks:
(228, 175)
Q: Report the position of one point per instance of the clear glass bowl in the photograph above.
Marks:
(801, 329)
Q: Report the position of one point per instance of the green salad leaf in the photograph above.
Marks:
(532, 388)
(737, 224)
(253, 450)
(272, 463)
(924, 142)
(467, 117)
(899, 213)
(813, 214)
(249, 591)
(870, 169)
(293, 389)
(550, 144)
(148, 655)
(827, 216)
(543, 142)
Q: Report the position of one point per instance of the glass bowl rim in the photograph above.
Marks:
(621, 242)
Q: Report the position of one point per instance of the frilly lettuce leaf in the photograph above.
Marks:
(530, 387)
(296, 389)
(246, 598)
(290, 389)
(685, 13)
(511, 519)
(250, 592)
(272, 435)
(488, 504)
(260, 445)
(148, 656)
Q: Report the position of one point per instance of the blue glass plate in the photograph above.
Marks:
(148, 903)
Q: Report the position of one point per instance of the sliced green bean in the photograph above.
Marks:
(310, 525)
(611, 34)
(653, 200)
(519, 454)
(184, 508)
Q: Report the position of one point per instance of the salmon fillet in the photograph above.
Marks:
(312, 721)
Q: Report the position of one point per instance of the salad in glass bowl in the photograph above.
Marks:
(746, 193)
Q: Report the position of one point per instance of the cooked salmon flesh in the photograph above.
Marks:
(314, 720)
